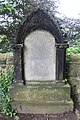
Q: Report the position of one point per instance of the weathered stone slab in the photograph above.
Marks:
(53, 108)
(40, 56)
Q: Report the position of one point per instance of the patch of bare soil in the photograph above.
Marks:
(64, 116)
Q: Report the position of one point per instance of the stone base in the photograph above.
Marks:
(51, 108)
(42, 97)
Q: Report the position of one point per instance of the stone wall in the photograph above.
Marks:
(74, 79)
(6, 60)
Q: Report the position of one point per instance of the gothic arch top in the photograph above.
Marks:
(39, 19)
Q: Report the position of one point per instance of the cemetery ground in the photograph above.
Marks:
(64, 116)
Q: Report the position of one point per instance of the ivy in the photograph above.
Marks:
(6, 78)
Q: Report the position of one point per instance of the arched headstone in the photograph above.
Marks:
(39, 49)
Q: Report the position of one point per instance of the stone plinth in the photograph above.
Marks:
(42, 97)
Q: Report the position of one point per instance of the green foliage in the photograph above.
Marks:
(6, 6)
(12, 12)
(6, 78)
(71, 50)
(4, 44)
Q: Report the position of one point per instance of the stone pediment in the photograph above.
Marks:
(39, 19)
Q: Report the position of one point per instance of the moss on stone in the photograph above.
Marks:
(40, 94)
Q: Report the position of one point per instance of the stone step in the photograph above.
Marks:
(37, 108)
(41, 94)
(42, 99)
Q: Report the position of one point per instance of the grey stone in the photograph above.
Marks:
(42, 99)
(40, 56)
(72, 71)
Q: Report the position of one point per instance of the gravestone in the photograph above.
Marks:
(39, 56)
(39, 64)
(39, 34)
